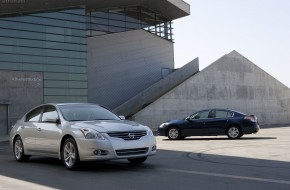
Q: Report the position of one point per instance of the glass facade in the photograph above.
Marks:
(126, 19)
(53, 43)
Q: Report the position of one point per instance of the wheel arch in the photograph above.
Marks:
(13, 140)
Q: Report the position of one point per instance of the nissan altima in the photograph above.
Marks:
(75, 132)
(211, 122)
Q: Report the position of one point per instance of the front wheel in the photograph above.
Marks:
(234, 132)
(136, 161)
(174, 133)
(70, 154)
(18, 150)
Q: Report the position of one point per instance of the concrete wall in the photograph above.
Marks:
(19, 92)
(231, 82)
(122, 65)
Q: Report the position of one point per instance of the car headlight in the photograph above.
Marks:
(150, 133)
(92, 134)
(163, 125)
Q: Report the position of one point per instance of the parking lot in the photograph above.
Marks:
(258, 161)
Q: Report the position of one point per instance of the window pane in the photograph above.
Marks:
(221, 114)
(34, 115)
(200, 115)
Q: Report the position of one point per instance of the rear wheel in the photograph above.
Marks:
(136, 161)
(70, 154)
(234, 132)
(174, 133)
(18, 150)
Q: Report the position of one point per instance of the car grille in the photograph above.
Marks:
(131, 152)
(133, 135)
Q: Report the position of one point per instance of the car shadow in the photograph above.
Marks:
(93, 166)
(218, 139)
(167, 165)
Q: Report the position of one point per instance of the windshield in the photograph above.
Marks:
(86, 113)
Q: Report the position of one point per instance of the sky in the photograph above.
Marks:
(257, 29)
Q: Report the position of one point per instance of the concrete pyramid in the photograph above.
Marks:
(231, 82)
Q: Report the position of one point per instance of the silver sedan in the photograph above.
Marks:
(75, 132)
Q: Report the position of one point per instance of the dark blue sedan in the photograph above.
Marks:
(211, 122)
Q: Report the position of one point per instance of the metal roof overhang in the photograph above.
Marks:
(171, 9)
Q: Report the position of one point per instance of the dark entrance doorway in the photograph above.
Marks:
(4, 119)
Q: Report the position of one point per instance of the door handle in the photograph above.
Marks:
(38, 129)
(22, 127)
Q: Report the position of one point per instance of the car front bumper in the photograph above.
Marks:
(115, 148)
(162, 131)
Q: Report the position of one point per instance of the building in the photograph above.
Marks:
(82, 50)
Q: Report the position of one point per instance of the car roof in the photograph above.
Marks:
(222, 109)
(63, 104)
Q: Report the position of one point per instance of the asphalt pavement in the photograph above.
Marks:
(257, 161)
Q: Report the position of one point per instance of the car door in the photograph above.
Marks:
(49, 131)
(216, 123)
(28, 129)
(195, 125)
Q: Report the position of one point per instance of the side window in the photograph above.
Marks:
(34, 115)
(212, 114)
(49, 114)
(200, 115)
(221, 114)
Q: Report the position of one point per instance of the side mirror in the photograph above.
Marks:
(50, 120)
(122, 117)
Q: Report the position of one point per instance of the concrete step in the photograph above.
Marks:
(158, 89)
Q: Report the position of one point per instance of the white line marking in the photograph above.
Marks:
(227, 176)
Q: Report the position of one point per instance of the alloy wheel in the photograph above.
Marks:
(173, 133)
(234, 132)
(18, 149)
(69, 154)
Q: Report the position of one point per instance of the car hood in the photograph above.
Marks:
(104, 126)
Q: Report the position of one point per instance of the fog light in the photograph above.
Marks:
(97, 152)
(153, 148)
(100, 152)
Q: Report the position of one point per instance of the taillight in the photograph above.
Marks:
(251, 118)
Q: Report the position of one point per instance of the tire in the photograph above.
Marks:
(173, 133)
(18, 150)
(137, 161)
(234, 132)
(70, 154)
